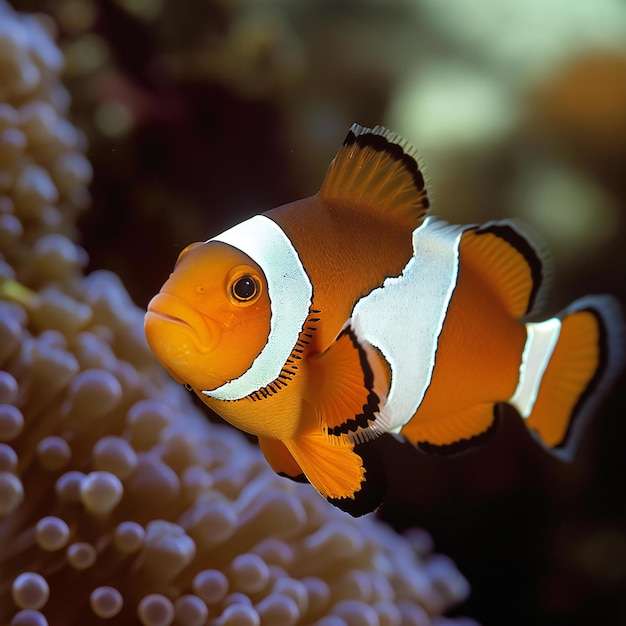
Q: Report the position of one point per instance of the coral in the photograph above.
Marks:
(118, 501)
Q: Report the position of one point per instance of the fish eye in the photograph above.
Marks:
(244, 289)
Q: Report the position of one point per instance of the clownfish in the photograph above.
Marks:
(324, 323)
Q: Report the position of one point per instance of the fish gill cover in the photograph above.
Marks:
(119, 503)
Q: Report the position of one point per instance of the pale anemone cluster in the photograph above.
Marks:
(119, 503)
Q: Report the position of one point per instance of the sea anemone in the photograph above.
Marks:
(119, 501)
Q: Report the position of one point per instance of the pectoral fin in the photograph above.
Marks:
(349, 383)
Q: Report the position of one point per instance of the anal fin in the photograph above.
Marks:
(451, 429)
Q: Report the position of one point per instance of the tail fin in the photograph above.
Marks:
(568, 363)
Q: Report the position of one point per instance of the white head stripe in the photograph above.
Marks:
(290, 294)
(540, 343)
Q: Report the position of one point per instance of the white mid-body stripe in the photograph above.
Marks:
(290, 294)
(404, 317)
(540, 342)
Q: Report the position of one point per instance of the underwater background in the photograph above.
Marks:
(200, 113)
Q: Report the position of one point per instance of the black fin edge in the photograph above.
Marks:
(373, 488)
(300, 478)
(611, 340)
(362, 420)
(382, 140)
(507, 231)
(463, 445)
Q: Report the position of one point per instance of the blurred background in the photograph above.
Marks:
(200, 113)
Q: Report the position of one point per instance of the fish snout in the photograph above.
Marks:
(168, 317)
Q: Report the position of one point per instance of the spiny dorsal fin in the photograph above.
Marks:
(379, 172)
(504, 255)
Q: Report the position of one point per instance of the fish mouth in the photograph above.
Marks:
(169, 317)
(183, 340)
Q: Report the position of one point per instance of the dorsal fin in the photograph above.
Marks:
(379, 172)
(505, 257)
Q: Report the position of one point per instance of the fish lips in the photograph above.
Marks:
(179, 335)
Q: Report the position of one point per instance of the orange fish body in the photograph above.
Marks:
(329, 321)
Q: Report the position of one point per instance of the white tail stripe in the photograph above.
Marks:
(540, 343)
(290, 293)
